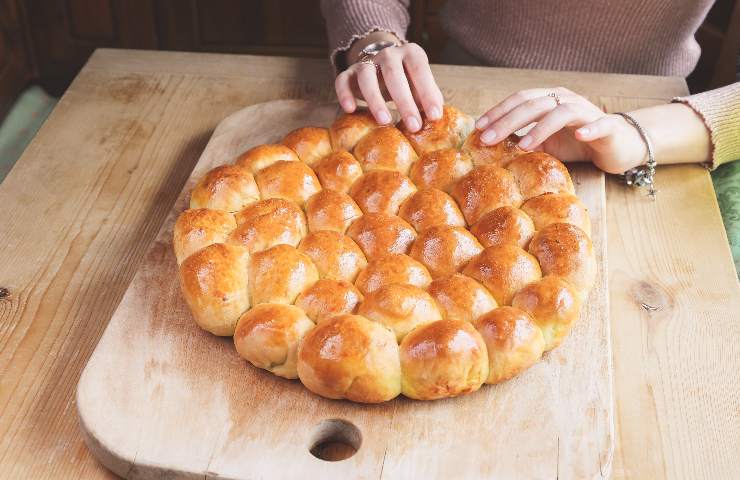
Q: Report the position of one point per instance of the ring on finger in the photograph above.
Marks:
(555, 97)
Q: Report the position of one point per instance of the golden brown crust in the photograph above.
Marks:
(513, 341)
(310, 143)
(553, 304)
(349, 128)
(214, 285)
(557, 208)
(448, 132)
(197, 228)
(431, 207)
(537, 173)
(279, 274)
(445, 250)
(381, 191)
(268, 223)
(378, 234)
(443, 359)
(504, 226)
(327, 298)
(461, 298)
(499, 154)
(350, 357)
(565, 250)
(440, 169)
(484, 189)
(261, 156)
(385, 148)
(392, 268)
(504, 270)
(228, 187)
(335, 255)
(294, 181)
(338, 171)
(268, 336)
(400, 307)
(331, 210)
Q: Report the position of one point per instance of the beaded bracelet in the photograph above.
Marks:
(642, 175)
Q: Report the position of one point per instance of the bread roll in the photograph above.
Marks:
(310, 143)
(431, 207)
(553, 304)
(331, 210)
(504, 270)
(350, 357)
(392, 268)
(499, 154)
(400, 307)
(261, 156)
(513, 341)
(214, 285)
(294, 181)
(349, 128)
(268, 336)
(327, 298)
(228, 187)
(557, 208)
(442, 359)
(197, 228)
(445, 250)
(338, 171)
(335, 255)
(378, 234)
(385, 148)
(448, 132)
(484, 189)
(566, 251)
(381, 191)
(279, 274)
(537, 173)
(504, 226)
(461, 298)
(268, 223)
(440, 169)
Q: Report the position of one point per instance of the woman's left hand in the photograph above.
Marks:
(568, 127)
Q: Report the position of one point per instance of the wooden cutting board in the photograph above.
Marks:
(161, 398)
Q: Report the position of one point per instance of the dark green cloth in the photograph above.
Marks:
(726, 179)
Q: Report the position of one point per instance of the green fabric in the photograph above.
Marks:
(726, 179)
(20, 126)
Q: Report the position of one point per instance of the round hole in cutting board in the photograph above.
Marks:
(334, 440)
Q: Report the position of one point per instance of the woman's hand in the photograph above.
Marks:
(572, 130)
(401, 74)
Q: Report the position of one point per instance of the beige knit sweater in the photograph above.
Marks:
(651, 37)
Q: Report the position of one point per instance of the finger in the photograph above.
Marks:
(427, 91)
(344, 91)
(603, 127)
(565, 115)
(520, 116)
(398, 88)
(508, 104)
(367, 80)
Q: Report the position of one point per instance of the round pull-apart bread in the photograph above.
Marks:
(369, 262)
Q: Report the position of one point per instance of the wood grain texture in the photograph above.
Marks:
(93, 188)
(161, 397)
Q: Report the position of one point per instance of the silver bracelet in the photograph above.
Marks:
(642, 175)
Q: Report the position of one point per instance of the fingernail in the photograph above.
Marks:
(347, 106)
(488, 136)
(583, 131)
(412, 123)
(481, 123)
(525, 141)
(435, 113)
(384, 118)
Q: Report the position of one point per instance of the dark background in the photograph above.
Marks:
(47, 41)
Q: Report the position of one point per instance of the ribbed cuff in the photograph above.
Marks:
(720, 110)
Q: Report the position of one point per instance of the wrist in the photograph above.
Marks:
(374, 37)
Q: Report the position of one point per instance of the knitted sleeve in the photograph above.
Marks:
(720, 110)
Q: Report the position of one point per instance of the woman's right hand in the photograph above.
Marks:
(401, 74)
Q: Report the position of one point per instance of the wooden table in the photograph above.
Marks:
(91, 191)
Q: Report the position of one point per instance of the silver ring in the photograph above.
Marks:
(555, 97)
(369, 62)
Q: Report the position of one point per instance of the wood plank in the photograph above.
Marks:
(156, 383)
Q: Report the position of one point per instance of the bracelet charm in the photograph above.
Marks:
(642, 175)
